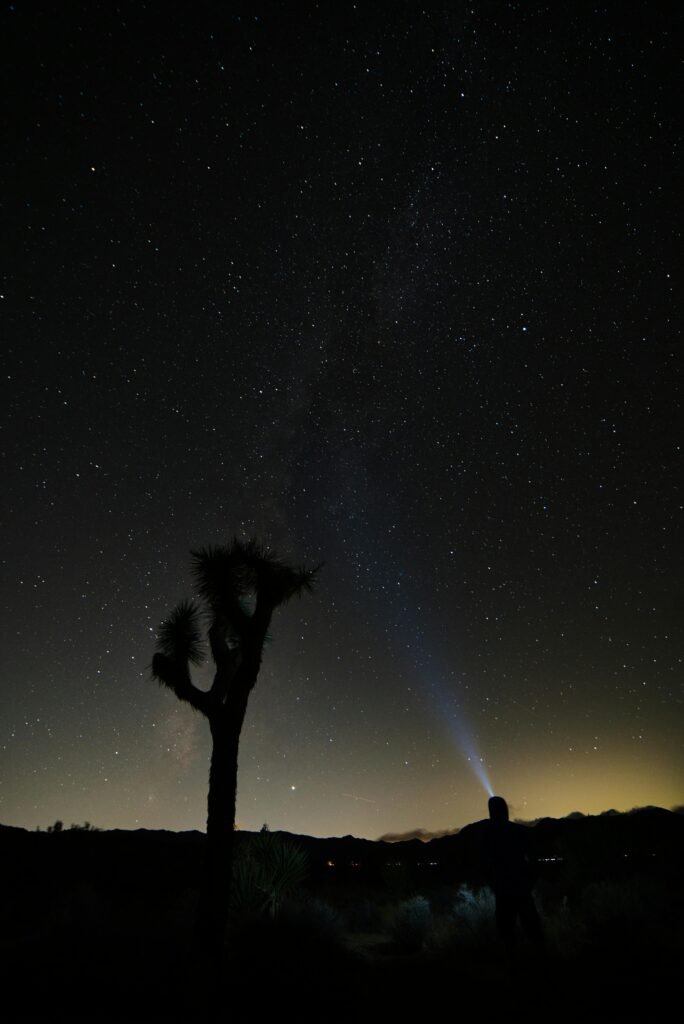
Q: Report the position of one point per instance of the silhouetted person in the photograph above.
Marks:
(509, 873)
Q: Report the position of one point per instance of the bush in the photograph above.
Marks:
(268, 869)
(303, 934)
(363, 916)
(475, 908)
(314, 918)
(470, 923)
(626, 912)
(411, 923)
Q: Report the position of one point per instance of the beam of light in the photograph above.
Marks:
(461, 732)
(466, 742)
(440, 695)
(454, 718)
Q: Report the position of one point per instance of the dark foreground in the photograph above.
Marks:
(80, 943)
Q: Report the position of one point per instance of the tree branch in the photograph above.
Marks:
(177, 678)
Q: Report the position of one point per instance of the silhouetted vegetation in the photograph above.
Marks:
(325, 929)
(268, 868)
(411, 923)
(59, 827)
(239, 587)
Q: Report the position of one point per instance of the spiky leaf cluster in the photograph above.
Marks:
(240, 585)
(180, 636)
(219, 574)
(227, 577)
(270, 867)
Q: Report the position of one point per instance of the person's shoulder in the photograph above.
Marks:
(475, 828)
(522, 833)
(474, 832)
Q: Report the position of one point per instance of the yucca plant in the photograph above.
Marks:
(239, 586)
(268, 869)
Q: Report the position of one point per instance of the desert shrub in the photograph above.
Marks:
(474, 907)
(268, 869)
(629, 911)
(288, 961)
(305, 932)
(470, 921)
(410, 923)
(630, 917)
(565, 931)
(314, 919)
(363, 916)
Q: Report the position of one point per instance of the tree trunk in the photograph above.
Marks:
(226, 725)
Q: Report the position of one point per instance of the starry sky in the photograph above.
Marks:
(390, 285)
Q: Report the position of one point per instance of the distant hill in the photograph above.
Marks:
(596, 846)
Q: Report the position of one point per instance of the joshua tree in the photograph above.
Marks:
(239, 586)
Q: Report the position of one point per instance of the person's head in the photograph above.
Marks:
(498, 808)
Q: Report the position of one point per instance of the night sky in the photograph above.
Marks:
(388, 285)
